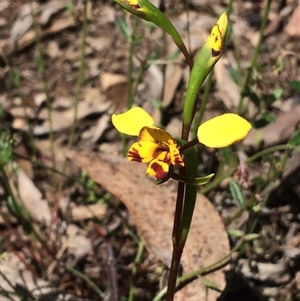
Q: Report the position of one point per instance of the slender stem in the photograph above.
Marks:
(80, 80)
(134, 270)
(86, 279)
(130, 88)
(187, 278)
(42, 69)
(189, 145)
(229, 7)
(271, 150)
(178, 212)
(79, 85)
(16, 83)
(130, 95)
(177, 248)
(240, 106)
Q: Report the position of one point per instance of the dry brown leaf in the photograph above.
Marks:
(50, 9)
(53, 49)
(80, 213)
(228, 90)
(23, 281)
(22, 24)
(153, 79)
(198, 30)
(99, 43)
(111, 79)
(99, 129)
(93, 96)
(174, 74)
(29, 37)
(77, 242)
(152, 209)
(63, 119)
(277, 132)
(293, 26)
(32, 199)
(278, 273)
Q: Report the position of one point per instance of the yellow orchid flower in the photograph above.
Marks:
(155, 146)
(159, 149)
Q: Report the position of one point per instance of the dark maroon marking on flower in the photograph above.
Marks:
(135, 6)
(157, 152)
(215, 52)
(159, 172)
(133, 155)
(167, 158)
(216, 39)
(178, 160)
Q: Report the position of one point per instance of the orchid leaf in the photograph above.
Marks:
(193, 181)
(190, 194)
(147, 11)
(238, 194)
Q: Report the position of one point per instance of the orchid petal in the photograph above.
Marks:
(175, 156)
(159, 167)
(143, 151)
(223, 130)
(132, 121)
(157, 135)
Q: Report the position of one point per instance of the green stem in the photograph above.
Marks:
(253, 64)
(271, 150)
(177, 250)
(185, 203)
(80, 80)
(133, 270)
(130, 95)
(130, 88)
(189, 145)
(79, 85)
(16, 84)
(86, 279)
(42, 69)
(187, 278)
(229, 7)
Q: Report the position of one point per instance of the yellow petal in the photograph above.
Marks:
(132, 121)
(157, 135)
(217, 36)
(135, 4)
(159, 167)
(143, 151)
(223, 130)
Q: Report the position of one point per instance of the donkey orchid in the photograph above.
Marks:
(159, 148)
(155, 146)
